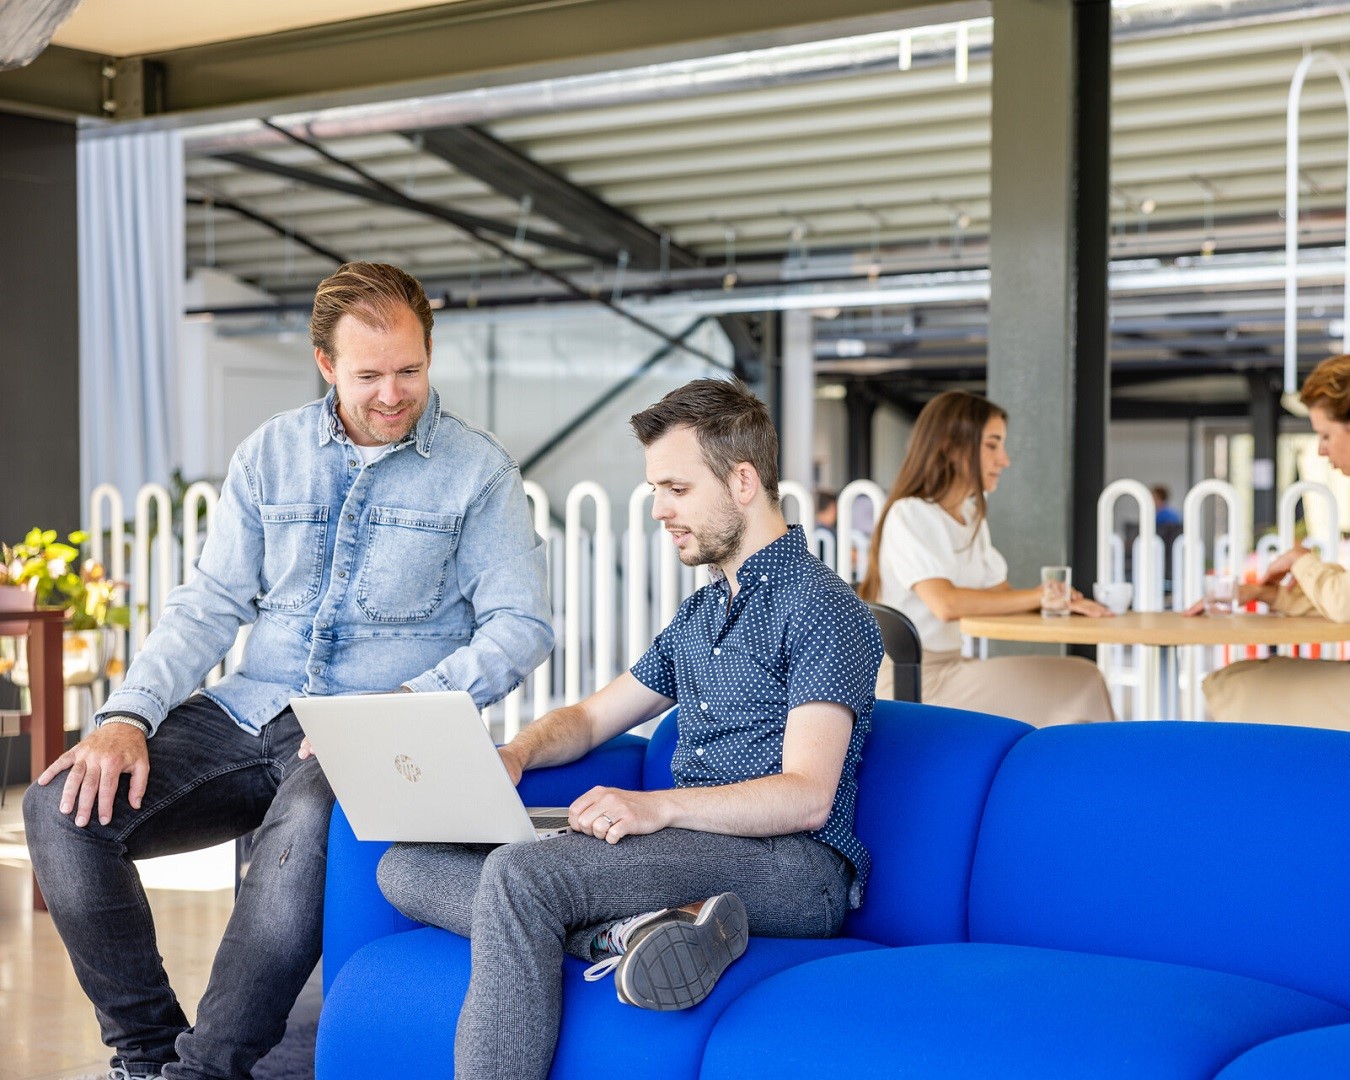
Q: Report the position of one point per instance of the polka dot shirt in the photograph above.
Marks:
(795, 633)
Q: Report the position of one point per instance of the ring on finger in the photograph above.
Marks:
(607, 818)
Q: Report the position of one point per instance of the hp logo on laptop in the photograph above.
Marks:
(407, 768)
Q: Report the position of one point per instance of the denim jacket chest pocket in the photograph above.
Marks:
(294, 538)
(406, 564)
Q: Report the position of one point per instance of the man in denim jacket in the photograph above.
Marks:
(374, 542)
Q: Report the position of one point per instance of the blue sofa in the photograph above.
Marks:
(1136, 900)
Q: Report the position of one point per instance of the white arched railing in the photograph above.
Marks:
(1291, 184)
(602, 610)
(154, 522)
(1146, 570)
(851, 556)
(1189, 580)
(1327, 544)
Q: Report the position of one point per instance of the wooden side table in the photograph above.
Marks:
(45, 722)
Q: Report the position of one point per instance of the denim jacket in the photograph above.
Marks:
(421, 568)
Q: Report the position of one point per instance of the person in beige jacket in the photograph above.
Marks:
(1284, 689)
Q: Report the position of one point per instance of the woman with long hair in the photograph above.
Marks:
(1288, 689)
(932, 559)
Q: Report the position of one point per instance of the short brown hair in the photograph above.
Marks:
(732, 425)
(370, 292)
(1329, 386)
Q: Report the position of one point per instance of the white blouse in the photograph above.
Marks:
(921, 541)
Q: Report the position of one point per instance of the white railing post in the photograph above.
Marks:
(603, 610)
(1189, 578)
(150, 585)
(1291, 192)
(1146, 569)
(845, 551)
(113, 559)
(639, 576)
(511, 707)
(1328, 544)
(806, 507)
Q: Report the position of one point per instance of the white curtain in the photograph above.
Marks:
(131, 306)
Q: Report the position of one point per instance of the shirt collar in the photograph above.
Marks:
(773, 559)
(330, 427)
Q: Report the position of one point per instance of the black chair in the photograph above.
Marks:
(903, 650)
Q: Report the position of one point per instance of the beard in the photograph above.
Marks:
(369, 422)
(720, 539)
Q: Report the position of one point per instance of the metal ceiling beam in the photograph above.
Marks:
(596, 222)
(455, 45)
(507, 171)
(269, 224)
(610, 303)
(390, 197)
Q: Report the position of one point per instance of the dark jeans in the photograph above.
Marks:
(210, 781)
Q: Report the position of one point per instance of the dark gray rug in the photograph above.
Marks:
(293, 1057)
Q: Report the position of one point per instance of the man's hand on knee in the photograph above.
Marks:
(95, 766)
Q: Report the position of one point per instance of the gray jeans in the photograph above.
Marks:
(522, 905)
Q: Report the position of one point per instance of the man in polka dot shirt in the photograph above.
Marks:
(773, 666)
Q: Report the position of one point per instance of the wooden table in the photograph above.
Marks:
(45, 722)
(1165, 630)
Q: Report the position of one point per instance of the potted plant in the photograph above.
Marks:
(52, 570)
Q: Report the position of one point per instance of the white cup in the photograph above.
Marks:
(1056, 590)
(1220, 592)
(1115, 596)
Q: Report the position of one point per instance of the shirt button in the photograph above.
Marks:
(717, 652)
(352, 462)
(699, 751)
(342, 573)
(703, 705)
(351, 517)
(763, 577)
(313, 671)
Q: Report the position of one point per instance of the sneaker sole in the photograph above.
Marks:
(677, 964)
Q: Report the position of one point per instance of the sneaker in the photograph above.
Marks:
(671, 959)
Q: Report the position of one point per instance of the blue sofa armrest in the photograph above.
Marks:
(356, 912)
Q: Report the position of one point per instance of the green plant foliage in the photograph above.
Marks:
(52, 570)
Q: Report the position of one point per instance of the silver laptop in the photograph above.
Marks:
(419, 767)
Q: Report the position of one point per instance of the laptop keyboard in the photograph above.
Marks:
(547, 821)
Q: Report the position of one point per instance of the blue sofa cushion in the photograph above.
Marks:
(1322, 1054)
(921, 788)
(925, 774)
(393, 1007)
(949, 1012)
(1216, 845)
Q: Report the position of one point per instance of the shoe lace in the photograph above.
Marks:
(613, 939)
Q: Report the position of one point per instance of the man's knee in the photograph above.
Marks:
(305, 800)
(399, 876)
(42, 817)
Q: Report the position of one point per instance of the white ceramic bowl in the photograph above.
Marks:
(1114, 595)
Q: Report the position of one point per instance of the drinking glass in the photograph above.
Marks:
(1056, 590)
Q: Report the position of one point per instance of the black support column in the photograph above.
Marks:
(39, 311)
(1048, 307)
(1265, 414)
(861, 407)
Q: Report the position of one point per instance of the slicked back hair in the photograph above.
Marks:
(731, 424)
(373, 294)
